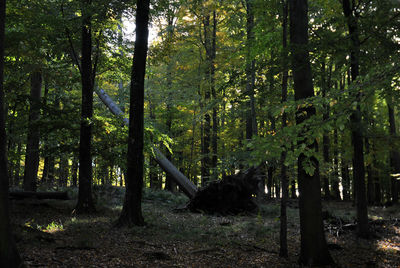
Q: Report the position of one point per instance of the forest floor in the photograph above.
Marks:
(49, 235)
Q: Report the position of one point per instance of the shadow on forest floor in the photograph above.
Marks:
(48, 235)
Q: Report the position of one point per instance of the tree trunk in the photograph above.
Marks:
(394, 158)
(214, 135)
(169, 183)
(32, 146)
(370, 175)
(251, 121)
(293, 189)
(270, 175)
(85, 200)
(207, 159)
(63, 170)
(74, 172)
(325, 137)
(283, 250)
(132, 210)
(335, 188)
(9, 256)
(356, 121)
(314, 250)
(345, 180)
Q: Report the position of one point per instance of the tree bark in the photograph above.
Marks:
(283, 250)
(214, 134)
(335, 188)
(9, 256)
(370, 175)
(251, 121)
(356, 121)
(85, 200)
(207, 139)
(325, 137)
(394, 158)
(132, 210)
(314, 250)
(74, 172)
(32, 146)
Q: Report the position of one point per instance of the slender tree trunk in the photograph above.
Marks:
(283, 250)
(336, 189)
(9, 256)
(207, 161)
(394, 158)
(251, 121)
(45, 173)
(132, 210)
(325, 138)
(169, 183)
(17, 169)
(74, 171)
(270, 181)
(345, 180)
(370, 175)
(356, 120)
(214, 136)
(32, 146)
(85, 200)
(293, 189)
(314, 249)
(155, 182)
(63, 170)
(11, 144)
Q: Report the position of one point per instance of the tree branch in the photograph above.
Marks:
(67, 32)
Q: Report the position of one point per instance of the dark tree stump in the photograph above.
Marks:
(230, 196)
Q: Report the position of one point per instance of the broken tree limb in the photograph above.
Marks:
(184, 183)
(39, 195)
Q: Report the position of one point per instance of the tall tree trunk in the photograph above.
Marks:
(206, 154)
(283, 250)
(85, 200)
(132, 210)
(214, 136)
(314, 249)
(356, 121)
(251, 121)
(32, 146)
(394, 158)
(169, 183)
(45, 172)
(325, 137)
(9, 256)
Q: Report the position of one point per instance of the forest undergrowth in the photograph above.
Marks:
(49, 234)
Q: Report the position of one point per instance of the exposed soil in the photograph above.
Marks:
(48, 235)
